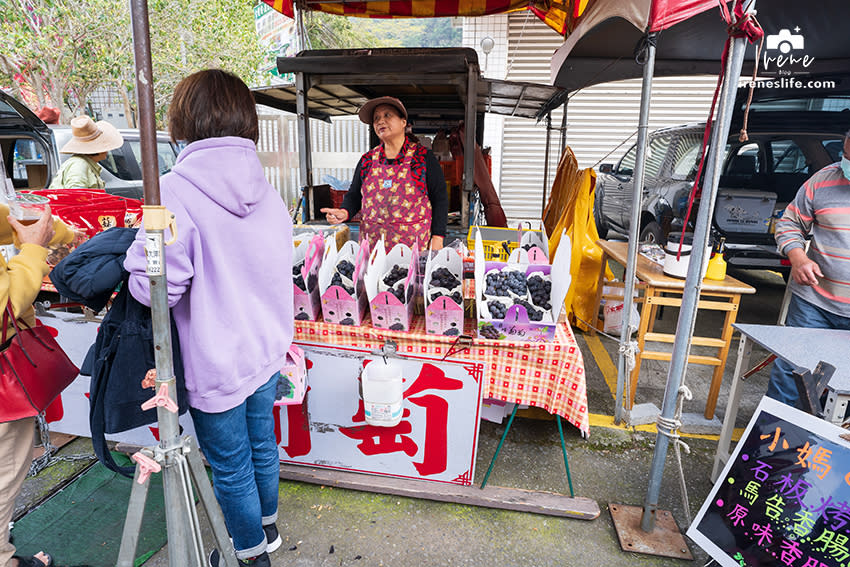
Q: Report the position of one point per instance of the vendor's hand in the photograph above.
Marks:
(804, 270)
(40, 232)
(436, 242)
(335, 216)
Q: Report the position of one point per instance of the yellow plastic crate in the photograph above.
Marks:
(498, 242)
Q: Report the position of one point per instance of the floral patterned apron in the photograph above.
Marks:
(393, 207)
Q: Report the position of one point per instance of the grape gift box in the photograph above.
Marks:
(523, 297)
(305, 278)
(390, 284)
(444, 293)
(343, 302)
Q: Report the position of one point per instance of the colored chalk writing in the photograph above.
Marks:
(784, 497)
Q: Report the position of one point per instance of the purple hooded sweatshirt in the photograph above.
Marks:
(229, 273)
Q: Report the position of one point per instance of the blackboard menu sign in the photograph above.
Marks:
(783, 498)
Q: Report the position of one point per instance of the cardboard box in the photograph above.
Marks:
(340, 305)
(516, 322)
(307, 302)
(340, 232)
(292, 384)
(388, 310)
(742, 210)
(443, 306)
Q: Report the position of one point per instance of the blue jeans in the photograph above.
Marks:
(241, 448)
(801, 313)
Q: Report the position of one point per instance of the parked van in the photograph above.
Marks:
(31, 155)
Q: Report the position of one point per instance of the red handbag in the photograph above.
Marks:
(33, 370)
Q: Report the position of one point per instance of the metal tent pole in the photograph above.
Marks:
(626, 328)
(690, 297)
(178, 458)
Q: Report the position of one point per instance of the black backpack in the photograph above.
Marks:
(118, 361)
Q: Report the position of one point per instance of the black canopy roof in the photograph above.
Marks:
(431, 82)
(694, 46)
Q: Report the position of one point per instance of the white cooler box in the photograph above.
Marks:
(743, 210)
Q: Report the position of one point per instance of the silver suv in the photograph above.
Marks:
(790, 138)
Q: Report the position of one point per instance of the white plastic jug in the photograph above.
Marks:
(383, 392)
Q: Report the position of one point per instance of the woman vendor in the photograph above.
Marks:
(399, 185)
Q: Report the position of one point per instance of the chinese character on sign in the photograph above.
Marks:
(776, 435)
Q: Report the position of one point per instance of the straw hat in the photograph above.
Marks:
(92, 138)
(368, 109)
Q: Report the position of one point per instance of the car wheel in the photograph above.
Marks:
(651, 234)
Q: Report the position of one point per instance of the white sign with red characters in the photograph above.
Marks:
(436, 439)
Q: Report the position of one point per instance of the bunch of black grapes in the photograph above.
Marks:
(443, 277)
(496, 284)
(533, 314)
(398, 292)
(396, 327)
(453, 331)
(497, 309)
(541, 291)
(396, 274)
(489, 332)
(516, 282)
(337, 280)
(298, 279)
(346, 268)
(456, 296)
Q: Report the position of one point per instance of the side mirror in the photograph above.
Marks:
(606, 168)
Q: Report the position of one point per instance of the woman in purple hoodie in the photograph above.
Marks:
(225, 287)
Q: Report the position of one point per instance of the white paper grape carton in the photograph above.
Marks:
(521, 266)
(344, 298)
(391, 304)
(306, 260)
(444, 303)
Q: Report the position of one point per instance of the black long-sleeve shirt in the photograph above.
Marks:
(423, 159)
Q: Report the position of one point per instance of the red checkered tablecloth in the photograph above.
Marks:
(546, 375)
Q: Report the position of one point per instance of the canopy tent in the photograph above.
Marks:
(601, 47)
(557, 15)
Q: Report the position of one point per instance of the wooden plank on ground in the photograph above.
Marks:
(536, 502)
(517, 499)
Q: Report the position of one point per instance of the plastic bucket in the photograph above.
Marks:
(383, 392)
(675, 263)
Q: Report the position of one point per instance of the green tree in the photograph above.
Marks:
(327, 31)
(65, 49)
(62, 50)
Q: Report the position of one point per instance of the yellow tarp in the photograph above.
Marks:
(570, 207)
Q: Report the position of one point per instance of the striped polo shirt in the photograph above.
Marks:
(822, 209)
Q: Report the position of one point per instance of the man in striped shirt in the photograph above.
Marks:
(820, 279)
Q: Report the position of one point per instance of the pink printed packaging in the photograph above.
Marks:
(390, 286)
(443, 287)
(341, 286)
(306, 260)
(292, 383)
(522, 298)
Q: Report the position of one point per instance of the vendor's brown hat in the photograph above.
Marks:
(366, 111)
(91, 137)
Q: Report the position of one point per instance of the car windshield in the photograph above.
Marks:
(124, 162)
